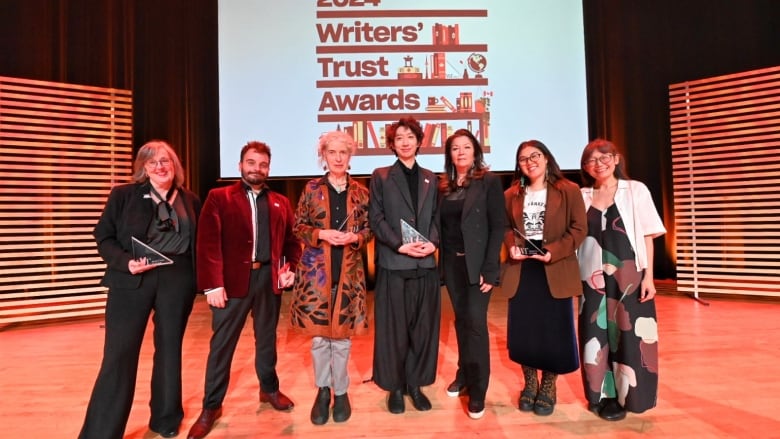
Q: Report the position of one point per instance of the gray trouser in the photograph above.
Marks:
(330, 357)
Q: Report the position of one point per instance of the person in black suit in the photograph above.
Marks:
(408, 299)
(472, 221)
(157, 210)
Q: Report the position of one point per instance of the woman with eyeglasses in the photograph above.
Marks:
(618, 331)
(546, 224)
(146, 236)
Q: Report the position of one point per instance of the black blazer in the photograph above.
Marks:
(389, 202)
(482, 224)
(128, 212)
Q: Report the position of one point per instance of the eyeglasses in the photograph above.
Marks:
(534, 158)
(604, 159)
(152, 164)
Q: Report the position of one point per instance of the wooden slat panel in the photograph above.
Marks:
(726, 173)
(62, 148)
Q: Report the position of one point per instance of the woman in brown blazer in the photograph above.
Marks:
(546, 224)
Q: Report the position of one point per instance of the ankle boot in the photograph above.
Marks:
(342, 410)
(528, 395)
(546, 398)
(321, 408)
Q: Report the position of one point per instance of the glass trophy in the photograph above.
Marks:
(410, 234)
(153, 257)
(532, 246)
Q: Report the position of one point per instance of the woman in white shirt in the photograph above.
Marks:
(618, 333)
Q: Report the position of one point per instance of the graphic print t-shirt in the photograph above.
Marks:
(533, 213)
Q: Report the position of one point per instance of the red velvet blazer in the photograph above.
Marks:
(225, 246)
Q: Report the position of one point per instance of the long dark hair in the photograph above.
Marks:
(553, 172)
(605, 147)
(448, 181)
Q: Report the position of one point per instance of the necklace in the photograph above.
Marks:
(338, 185)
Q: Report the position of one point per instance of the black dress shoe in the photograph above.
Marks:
(612, 411)
(277, 399)
(172, 432)
(419, 400)
(595, 408)
(205, 422)
(395, 401)
(321, 408)
(341, 408)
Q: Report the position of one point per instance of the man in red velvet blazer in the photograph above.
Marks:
(246, 254)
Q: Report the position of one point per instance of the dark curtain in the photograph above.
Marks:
(165, 51)
(635, 49)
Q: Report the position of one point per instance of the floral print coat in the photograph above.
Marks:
(312, 309)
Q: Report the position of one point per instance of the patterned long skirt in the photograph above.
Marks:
(618, 335)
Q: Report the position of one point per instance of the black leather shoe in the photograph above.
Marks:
(172, 432)
(456, 388)
(595, 408)
(419, 400)
(277, 399)
(321, 408)
(612, 411)
(341, 408)
(395, 401)
(205, 422)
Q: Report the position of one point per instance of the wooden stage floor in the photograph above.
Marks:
(719, 370)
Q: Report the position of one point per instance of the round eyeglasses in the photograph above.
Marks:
(533, 158)
(604, 160)
(152, 164)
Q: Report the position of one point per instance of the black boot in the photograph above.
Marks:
(528, 395)
(341, 408)
(546, 398)
(321, 408)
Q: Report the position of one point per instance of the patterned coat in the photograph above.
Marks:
(311, 307)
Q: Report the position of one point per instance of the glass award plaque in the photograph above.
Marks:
(153, 257)
(410, 234)
(532, 246)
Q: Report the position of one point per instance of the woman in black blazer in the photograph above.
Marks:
(472, 218)
(158, 211)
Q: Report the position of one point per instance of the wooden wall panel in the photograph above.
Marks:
(62, 148)
(726, 174)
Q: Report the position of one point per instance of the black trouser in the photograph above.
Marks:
(227, 324)
(470, 307)
(169, 291)
(407, 313)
